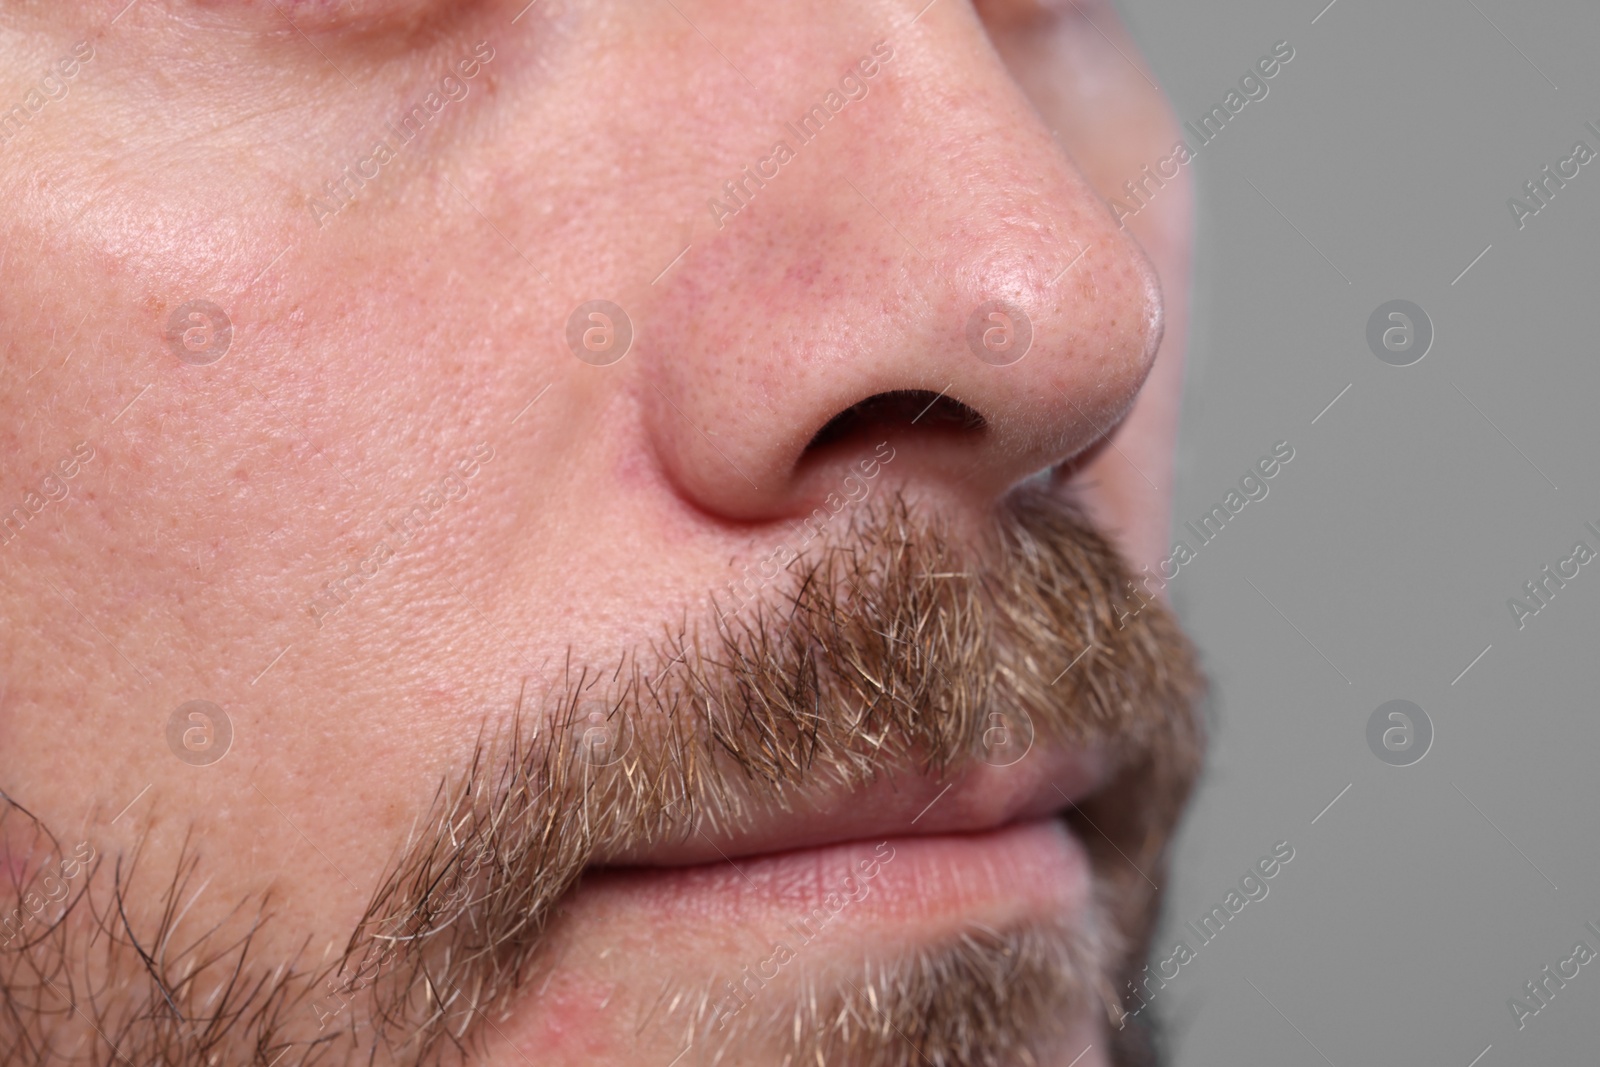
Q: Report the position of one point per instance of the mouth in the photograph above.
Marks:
(817, 904)
(938, 878)
(846, 823)
(985, 946)
(978, 797)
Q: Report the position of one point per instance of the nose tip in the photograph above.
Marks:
(963, 259)
(1023, 363)
(1049, 341)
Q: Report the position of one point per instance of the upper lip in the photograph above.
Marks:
(973, 797)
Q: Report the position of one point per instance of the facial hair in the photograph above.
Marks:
(889, 650)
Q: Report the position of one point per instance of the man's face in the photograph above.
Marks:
(583, 532)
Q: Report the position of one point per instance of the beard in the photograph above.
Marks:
(888, 651)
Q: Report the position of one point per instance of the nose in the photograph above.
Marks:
(925, 267)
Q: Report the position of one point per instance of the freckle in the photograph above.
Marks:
(154, 304)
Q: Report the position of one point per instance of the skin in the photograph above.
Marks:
(375, 347)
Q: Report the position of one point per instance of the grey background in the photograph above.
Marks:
(1427, 895)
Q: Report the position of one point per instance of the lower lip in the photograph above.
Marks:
(629, 935)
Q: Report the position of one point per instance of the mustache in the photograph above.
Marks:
(888, 649)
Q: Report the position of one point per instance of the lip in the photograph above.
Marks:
(901, 803)
(1022, 868)
(779, 927)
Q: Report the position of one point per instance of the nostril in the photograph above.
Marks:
(900, 408)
